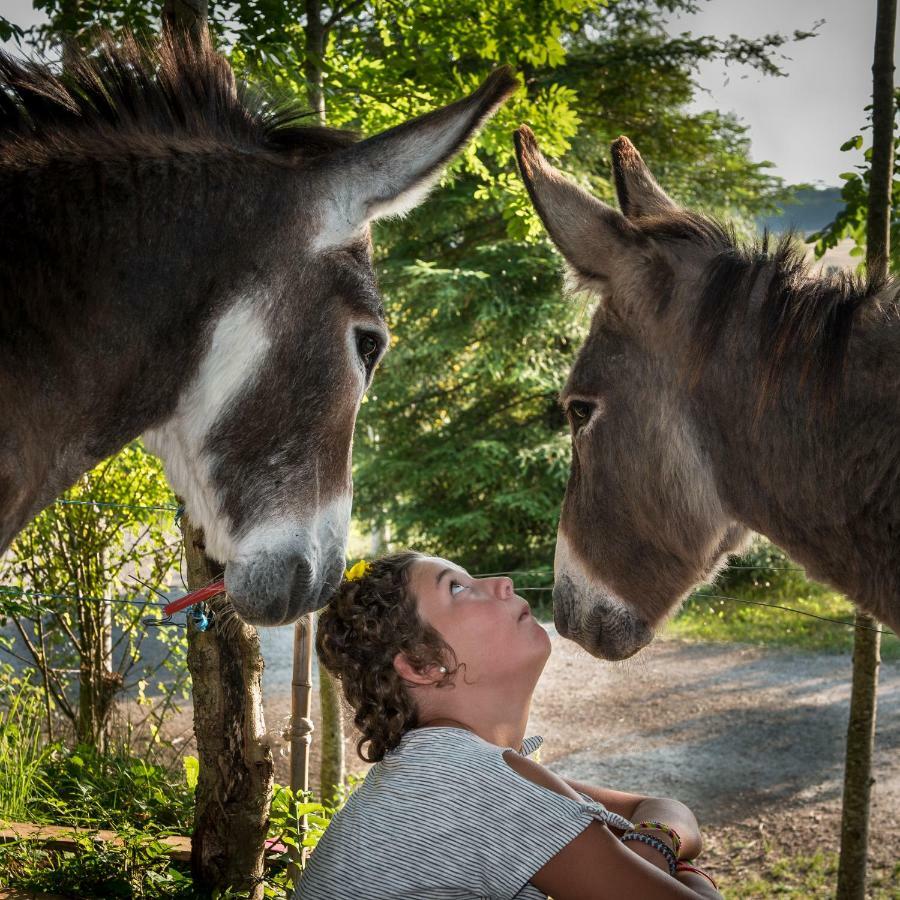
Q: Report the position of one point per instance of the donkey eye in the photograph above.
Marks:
(367, 346)
(579, 413)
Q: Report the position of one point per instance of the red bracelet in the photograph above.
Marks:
(686, 867)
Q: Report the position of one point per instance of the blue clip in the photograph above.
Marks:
(201, 619)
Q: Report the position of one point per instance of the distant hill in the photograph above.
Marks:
(810, 210)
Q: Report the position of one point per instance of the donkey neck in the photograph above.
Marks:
(824, 484)
(109, 297)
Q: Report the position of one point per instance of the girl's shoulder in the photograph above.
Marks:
(438, 738)
(446, 748)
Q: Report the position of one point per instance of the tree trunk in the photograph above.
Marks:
(234, 788)
(858, 778)
(878, 232)
(97, 683)
(185, 18)
(316, 43)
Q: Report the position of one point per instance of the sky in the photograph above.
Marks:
(798, 122)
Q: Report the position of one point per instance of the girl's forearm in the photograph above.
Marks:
(642, 809)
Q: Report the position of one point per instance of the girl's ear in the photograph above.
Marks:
(405, 669)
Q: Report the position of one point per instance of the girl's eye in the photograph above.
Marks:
(456, 588)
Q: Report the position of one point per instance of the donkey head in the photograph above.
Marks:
(260, 443)
(642, 521)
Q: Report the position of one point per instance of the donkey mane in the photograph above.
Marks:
(802, 317)
(126, 89)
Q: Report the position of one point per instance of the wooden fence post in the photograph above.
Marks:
(332, 725)
(858, 778)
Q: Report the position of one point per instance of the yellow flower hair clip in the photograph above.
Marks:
(358, 571)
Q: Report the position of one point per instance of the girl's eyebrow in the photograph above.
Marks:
(443, 572)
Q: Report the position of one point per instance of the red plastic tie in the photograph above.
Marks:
(198, 596)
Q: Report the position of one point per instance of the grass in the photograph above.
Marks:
(805, 877)
(711, 618)
(22, 754)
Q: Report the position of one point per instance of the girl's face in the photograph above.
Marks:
(489, 627)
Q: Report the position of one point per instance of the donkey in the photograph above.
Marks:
(721, 388)
(185, 260)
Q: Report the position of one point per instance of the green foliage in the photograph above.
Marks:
(77, 548)
(22, 752)
(91, 791)
(111, 790)
(9, 31)
(762, 567)
(737, 608)
(88, 790)
(804, 875)
(851, 221)
(137, 867)
(461, 447)
(298, 821)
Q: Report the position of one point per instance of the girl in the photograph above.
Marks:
(439, 668)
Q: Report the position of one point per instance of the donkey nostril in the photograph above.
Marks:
(302, 582)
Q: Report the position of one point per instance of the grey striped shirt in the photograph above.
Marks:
(444, 817)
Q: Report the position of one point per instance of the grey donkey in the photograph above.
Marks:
(722, 388)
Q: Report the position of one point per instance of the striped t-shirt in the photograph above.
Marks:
(444, 817)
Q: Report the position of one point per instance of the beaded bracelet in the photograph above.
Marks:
(665, 829)
(686, 867)
(656, 844)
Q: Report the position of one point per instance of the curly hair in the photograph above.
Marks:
(366, 624)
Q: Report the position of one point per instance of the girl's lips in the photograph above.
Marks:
(525, 612)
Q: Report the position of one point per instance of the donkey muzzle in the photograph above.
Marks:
(602, 625)
(267, 591)
(279, 575)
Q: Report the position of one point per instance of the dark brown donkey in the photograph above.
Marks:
(722, 388)
(183, 260)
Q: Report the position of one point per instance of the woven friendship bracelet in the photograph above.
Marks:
(665, 829)
(686, 867)
(656, 844)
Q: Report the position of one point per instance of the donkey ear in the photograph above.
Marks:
(590, 235)
(639, 194)
(392, 172)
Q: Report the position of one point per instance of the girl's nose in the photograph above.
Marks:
(504, 588)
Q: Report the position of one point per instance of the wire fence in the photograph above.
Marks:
(143, 602)
(103, 504)
(139, 601)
